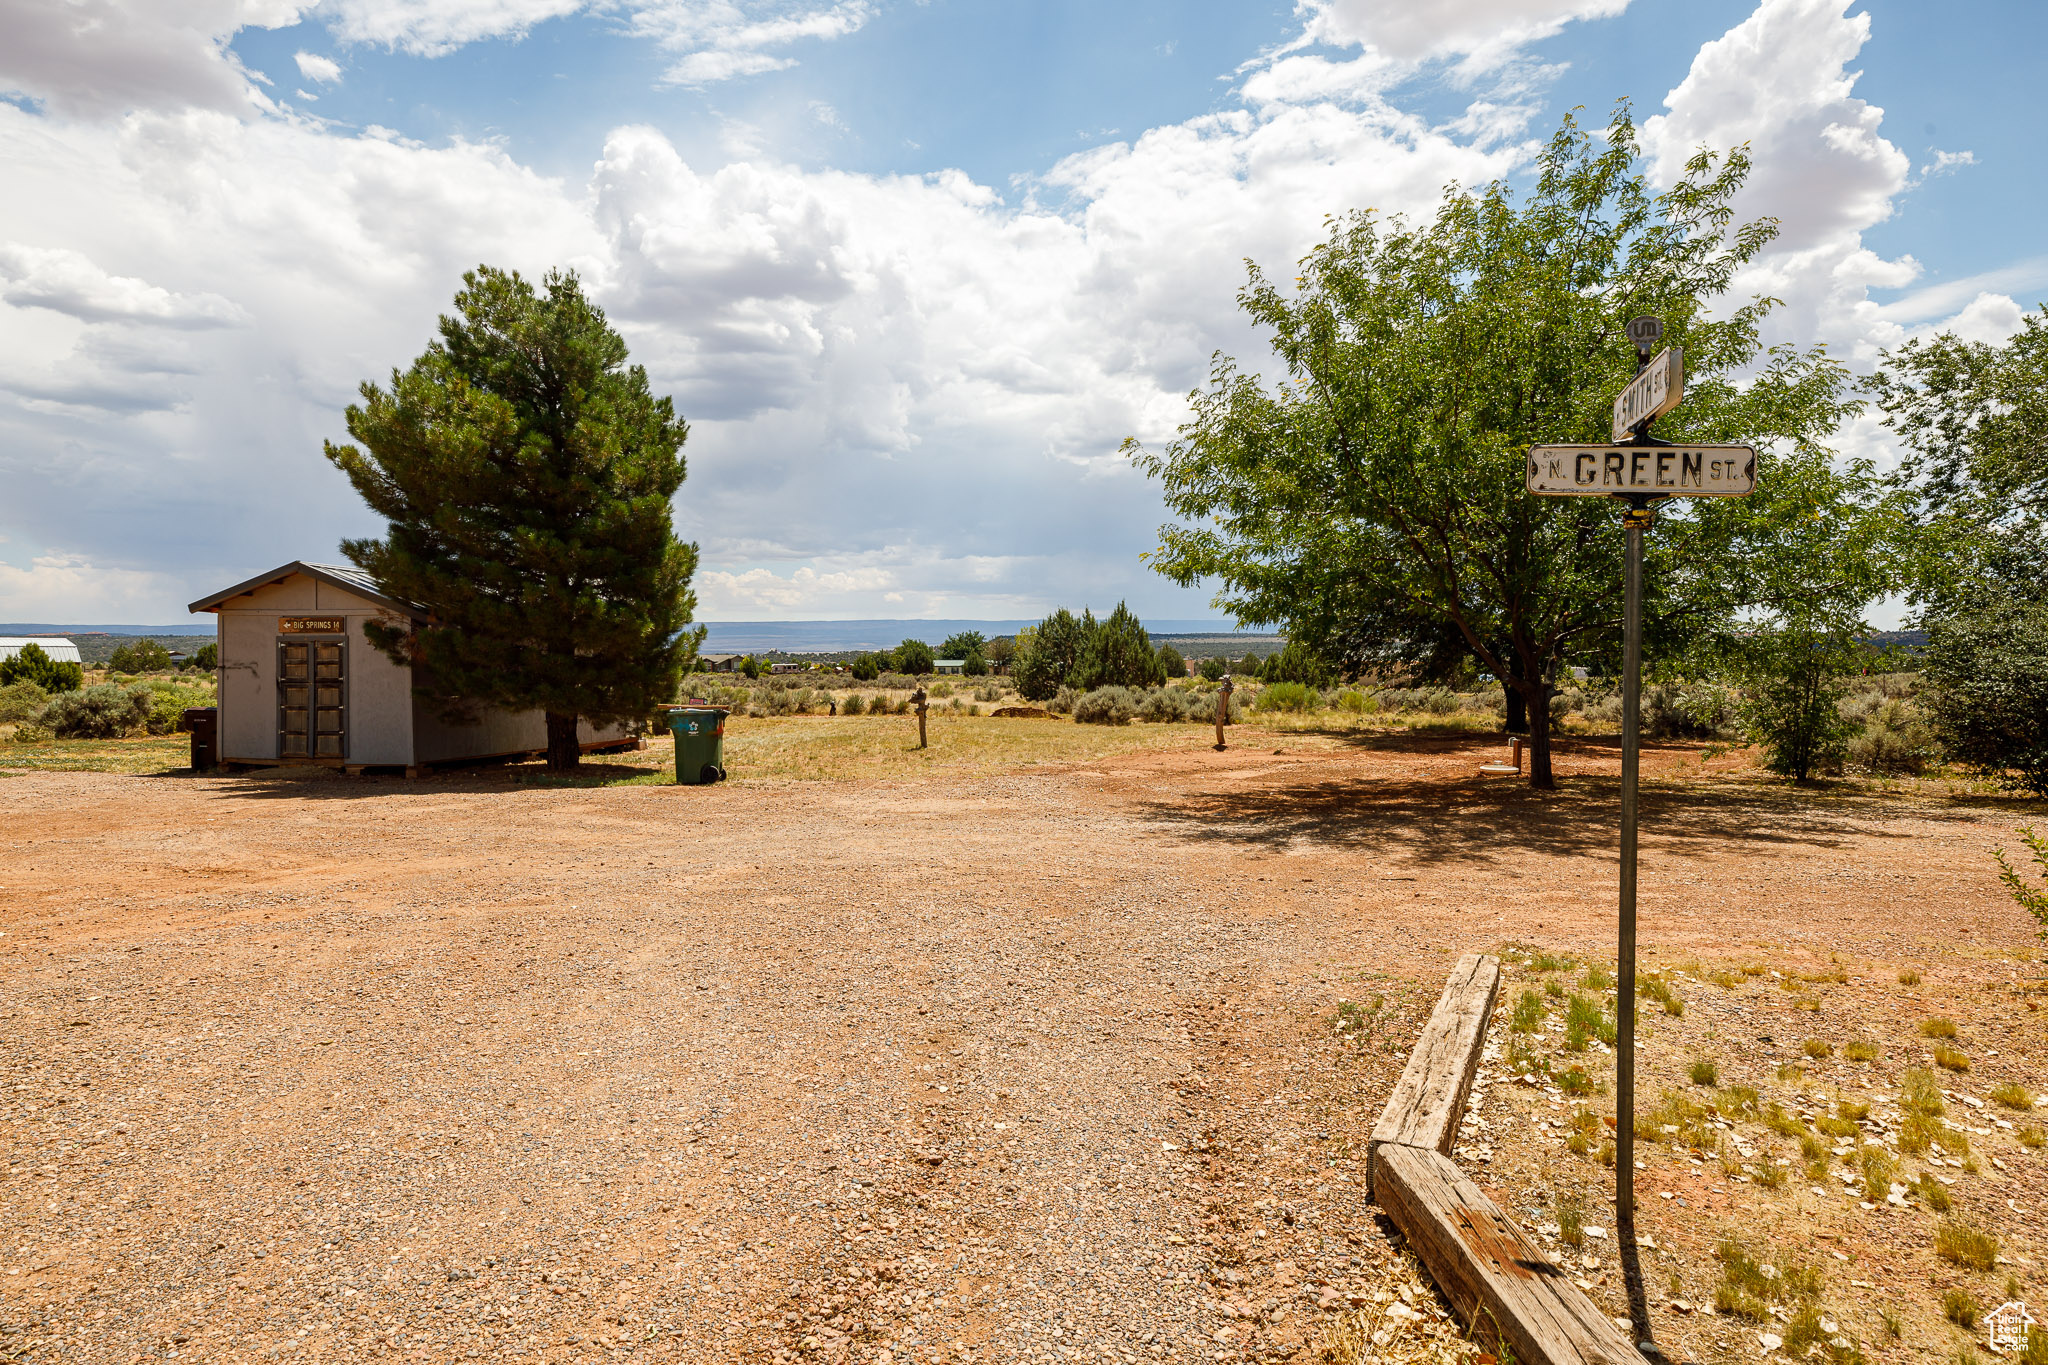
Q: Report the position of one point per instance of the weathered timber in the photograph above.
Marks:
(1495, 1278)
(1429, 1099)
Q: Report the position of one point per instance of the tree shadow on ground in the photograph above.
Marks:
(327, 784)
(1444, 819)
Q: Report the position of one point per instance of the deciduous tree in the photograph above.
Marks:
(1372, 500)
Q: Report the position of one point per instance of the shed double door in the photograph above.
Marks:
(312, 699)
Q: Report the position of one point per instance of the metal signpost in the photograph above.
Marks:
(1641, 471)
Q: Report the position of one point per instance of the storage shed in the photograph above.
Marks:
(300, 682)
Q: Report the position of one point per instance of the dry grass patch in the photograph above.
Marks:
(1862, 1050)
(147, 754)
(1951, 1059)
(1937, 1028)
(2013, 1095)
(1965, 1245)
(846, 748)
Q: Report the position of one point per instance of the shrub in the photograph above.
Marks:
(2033, 902)
(1705, 1073)
(989, 691)
(31, 664)
(1937, 1028)
(1107, 706)
(20, 701)
(866, 668)
(1895, 739)
(1682, 710)
(206, 658)
(106, 711)
(1356, 703)
(1960, 1307)
(1171, 705)
(1440, 701)
(974, 665)
(1213, 669)
(1062, 702)
(1287, 696)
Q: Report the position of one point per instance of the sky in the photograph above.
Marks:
(912, 269)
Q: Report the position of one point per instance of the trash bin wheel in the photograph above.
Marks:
(712, 773)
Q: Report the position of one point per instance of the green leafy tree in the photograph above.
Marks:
(1213, 668)
(140, 656)
(1117, 653)
(974, 665)
(1794, 678)
(962, 643)
(1987, 686)
(1373, 501)
(32, 663)
(1046, 662)
(914, 657)
(1248, 667)
(1002, 651)
(866, 667)
(1974, 418)
(526, 472)
(206, 657)
(1172, 663)
(752, 666)
(1297, 663)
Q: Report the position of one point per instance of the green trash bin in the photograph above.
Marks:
(700, 743)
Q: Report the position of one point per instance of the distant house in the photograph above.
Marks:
(719, 663)
(60, 649)
(949, 665)
(784, 666)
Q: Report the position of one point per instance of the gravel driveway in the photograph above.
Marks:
(445, 1070)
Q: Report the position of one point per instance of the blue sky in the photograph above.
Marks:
(913, 269)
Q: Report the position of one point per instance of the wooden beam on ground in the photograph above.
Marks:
(1429, 1100)
(1495, 1278)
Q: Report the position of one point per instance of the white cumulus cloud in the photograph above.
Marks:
(316, 68)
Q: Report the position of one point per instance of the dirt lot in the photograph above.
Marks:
(1036, 1064)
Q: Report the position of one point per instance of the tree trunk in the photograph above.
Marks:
(563, 751)
(1540, 776)
(1518, 711)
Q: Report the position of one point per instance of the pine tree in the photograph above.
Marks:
(526, 472)
(1118, 653)
(32, 664)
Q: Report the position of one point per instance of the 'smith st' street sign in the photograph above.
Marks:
(1652, 393)
(1681, 471)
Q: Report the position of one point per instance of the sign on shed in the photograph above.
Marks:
(1681, 471)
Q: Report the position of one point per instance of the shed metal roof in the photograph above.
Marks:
(344, 576)
(57, 647)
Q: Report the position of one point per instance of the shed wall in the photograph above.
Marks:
(379, 698)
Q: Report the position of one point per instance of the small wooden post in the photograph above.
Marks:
(918, 699)
(1222, 711)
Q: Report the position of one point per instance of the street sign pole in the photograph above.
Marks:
(1635, 520)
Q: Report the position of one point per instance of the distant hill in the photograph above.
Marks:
(830, 637)
(204, 627)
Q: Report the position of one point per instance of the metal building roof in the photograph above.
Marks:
(56, 646)
(344, 576)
